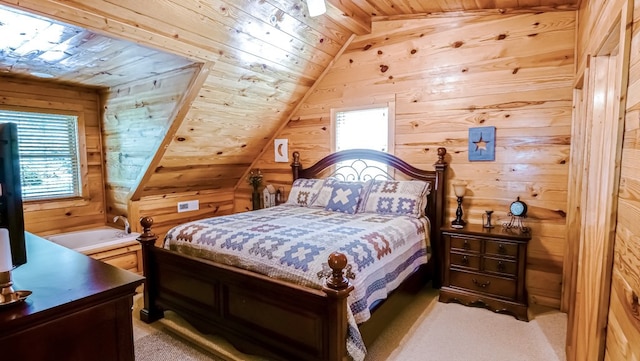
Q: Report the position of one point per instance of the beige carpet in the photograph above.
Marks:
(163, 346)
(425, 330)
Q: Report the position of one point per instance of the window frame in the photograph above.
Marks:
(83, 168)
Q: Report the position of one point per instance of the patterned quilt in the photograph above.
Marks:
(292, 243)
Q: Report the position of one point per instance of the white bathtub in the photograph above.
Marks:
(95, 239)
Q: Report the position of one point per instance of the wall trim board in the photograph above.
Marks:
(589, 261)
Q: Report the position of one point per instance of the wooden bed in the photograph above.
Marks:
(264, 316)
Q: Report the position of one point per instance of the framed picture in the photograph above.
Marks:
(281, 150)
(482, 144)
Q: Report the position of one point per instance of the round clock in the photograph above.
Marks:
(517, 212)
(518, 208)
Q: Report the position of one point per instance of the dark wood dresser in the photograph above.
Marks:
(80, 308)
(486, 267)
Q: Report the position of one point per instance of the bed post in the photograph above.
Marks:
(296, 165)
(337, 287)
(147, 239)
(440, 167)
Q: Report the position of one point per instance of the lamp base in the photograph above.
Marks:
(458, 223)
(7, 295)
(6, 283)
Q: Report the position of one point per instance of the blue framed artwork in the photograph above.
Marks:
(482, 143)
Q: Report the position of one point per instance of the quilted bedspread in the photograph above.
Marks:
(293, 243)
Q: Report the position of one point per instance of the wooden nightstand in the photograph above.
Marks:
(486, 267)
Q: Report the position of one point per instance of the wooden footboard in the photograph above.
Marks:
(257, 314)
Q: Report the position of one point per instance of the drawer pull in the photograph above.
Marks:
(481, 284)
(502, 249)
(501, 266)
(465, 260)
(466, 245)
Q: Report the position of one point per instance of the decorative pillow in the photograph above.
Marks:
(303, 191)
(322, 199)
(327, 187)
(345, 197)
(407, 198)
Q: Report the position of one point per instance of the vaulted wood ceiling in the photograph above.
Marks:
(255, 62)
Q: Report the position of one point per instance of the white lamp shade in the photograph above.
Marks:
(5, 251)
(316, 7)
(460, 189)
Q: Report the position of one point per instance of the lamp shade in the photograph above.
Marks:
(460, 188)
(316, 7)
(5, 251)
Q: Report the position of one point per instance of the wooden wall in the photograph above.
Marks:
(163, 209)
(604, 281)
(48, 217)
(623, 328)
(445, 75)
(257, 77)
(137, 115)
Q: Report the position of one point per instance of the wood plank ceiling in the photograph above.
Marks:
(262, 58)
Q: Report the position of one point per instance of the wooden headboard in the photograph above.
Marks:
(435, 201)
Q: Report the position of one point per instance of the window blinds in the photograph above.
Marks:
(48, 149)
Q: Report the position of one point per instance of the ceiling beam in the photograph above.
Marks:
(350, 16)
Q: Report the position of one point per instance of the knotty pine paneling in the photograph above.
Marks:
(447, 74)
(598, 17)
(136, 117)
(623, 327)
(163, 209)
(49, 217)
(266, 55)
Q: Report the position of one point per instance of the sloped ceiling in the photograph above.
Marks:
(260, 59)
(37, 47)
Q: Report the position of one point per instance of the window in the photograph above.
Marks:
(48, 149)
(363, 128)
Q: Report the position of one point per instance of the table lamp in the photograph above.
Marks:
(5, 264)
(459, 188)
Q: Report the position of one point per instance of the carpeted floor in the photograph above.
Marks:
(163, 346)
(425, 330)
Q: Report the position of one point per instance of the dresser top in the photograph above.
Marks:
(495, 232)
(62, 280)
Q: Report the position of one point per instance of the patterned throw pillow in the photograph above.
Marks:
(322, 199)
(345, 197)
(327, 188)
(407, 198)
(303, 191)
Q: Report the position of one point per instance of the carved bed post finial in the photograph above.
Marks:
(337, 262)
(295, 166)
(147, 237)
(441, 153)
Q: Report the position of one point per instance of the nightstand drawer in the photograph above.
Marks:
(501, 248)
(498, 265)
(482, 283)
(465, 244)
(465, 260)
